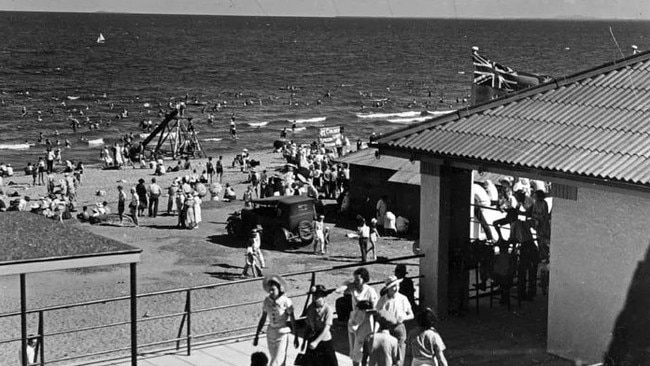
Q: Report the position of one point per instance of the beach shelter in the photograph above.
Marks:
(587, 134)
(33, 243)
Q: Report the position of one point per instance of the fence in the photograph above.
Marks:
(476, 292)
(185, 333)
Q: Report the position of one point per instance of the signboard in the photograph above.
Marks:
(327, 136)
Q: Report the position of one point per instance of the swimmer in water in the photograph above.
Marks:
(67, 143)
(283, 133)
(40, 137)
(293, 127)
(233, 128)
(24, 112)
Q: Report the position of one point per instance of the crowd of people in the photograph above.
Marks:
(526, 241)
(59, 202)
(376, 324)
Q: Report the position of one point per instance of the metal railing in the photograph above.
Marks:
(185, 329)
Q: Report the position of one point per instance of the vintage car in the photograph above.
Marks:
(285, 220)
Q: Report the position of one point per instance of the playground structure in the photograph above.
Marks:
(176, 138)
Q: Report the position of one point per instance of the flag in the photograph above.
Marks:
(497, 76)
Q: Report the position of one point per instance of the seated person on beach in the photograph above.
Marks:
(69, 168)
(84, 215)
(229, 193)
(188, 164)
(177, 167)
(160, 169)
(29, 169)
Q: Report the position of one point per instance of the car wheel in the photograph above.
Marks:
(306, 232)
(281, 239)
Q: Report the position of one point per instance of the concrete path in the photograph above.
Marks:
(228, 354)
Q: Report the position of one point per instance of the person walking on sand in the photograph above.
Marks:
(134, 206)
(141, 189)
(319, 235)
(282, 320)
(154, 194)
(121, 202)
(209, 167)
(257, 245)
(251, 260)
(41, 171)
(190, 218)
(219, 169)
(197, 210)
(373, 239)
(364, 236)
(50, 160)
(171, 201)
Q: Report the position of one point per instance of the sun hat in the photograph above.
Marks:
(391, 281)
(320, 290)
(273, 278)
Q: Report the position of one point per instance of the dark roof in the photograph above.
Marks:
(27, 237)
(406, 172)
(594, 124)
(366, 157)
(287, 200)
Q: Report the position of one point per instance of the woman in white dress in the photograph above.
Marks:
(357, 331)
(197, 209)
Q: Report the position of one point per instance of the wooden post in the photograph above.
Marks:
(188, 309)
(23, 320)
(40, 347)
(134, 317)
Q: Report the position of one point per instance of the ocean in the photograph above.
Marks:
(52, 66)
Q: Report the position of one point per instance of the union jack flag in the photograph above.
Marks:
(501, 77)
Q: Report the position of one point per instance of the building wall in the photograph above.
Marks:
(598, 241)
(368, 184)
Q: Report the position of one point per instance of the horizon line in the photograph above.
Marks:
(572, 18)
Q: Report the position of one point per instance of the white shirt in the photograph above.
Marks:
(389, 221)
(398, 306)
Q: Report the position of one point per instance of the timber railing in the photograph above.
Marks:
(184, 334)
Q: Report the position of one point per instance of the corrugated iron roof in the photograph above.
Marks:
(595, 123)
(366, 157)
(406, 176)
(405, 171)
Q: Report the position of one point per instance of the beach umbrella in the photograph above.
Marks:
(201, 190)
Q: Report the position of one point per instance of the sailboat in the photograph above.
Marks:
(101, 38)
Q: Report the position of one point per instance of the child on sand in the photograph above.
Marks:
(251, 259)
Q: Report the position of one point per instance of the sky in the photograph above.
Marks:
(600, 9)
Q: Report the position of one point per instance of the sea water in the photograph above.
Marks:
(366, 75)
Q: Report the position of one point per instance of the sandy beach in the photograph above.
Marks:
(172, 258)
